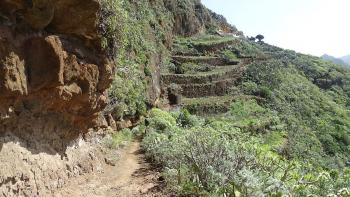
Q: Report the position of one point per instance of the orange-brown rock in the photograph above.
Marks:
(79, 17)
(47, 71)
(53, 79)
(84, 13)
(55, 72)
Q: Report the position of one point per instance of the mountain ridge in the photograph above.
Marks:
(335, 60)
(346, 59)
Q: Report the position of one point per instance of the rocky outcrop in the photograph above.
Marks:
(52, 66)
(53, 81)
(191, 17)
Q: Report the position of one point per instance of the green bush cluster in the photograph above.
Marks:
(161, 120)
(185, 120)
(118, 139)
(244, 48)
(229, 55)
(214, 157)
(190, 45)
(250, 116)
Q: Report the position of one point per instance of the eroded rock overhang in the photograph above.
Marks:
(51, 62)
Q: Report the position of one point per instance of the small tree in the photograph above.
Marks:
(260, 37)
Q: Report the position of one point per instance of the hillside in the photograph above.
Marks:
(267, 115)
(163, 98)
(335, 60)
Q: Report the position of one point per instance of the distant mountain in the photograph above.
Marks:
(346, 59)
(335, 60)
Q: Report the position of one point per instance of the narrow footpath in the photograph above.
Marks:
(131, 176)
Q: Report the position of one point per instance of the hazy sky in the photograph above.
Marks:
(310, 26)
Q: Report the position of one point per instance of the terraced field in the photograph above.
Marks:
(210, 91)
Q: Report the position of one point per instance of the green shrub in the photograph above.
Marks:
(183, 47)
(161, 120)
(185, 119)
(264, 92)
(139, 130)
(346, 139)
(241, 109)
(168, 67)
(208, 40)
(184, 68)
(147, 71)
(229, 55)
(119, 138)
(243, 48)
(249, 87)
(277, 140)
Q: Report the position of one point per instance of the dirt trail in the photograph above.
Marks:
(132, 176)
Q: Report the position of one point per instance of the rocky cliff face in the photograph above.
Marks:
(51, 63)
(53, 81)
(192, 17)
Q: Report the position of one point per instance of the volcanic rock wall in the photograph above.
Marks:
(191, 17)
(53, 78)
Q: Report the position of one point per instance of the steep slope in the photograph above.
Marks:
(283, 123)
(286, 124)
(270, 75)
(149, 28)
(205, 71)
(312, 96)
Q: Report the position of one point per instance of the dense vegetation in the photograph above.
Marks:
(292, 139)
(234, 156)
(318, 126)
(287, 131)
(136, 33)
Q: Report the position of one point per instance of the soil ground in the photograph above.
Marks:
(131, 176)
